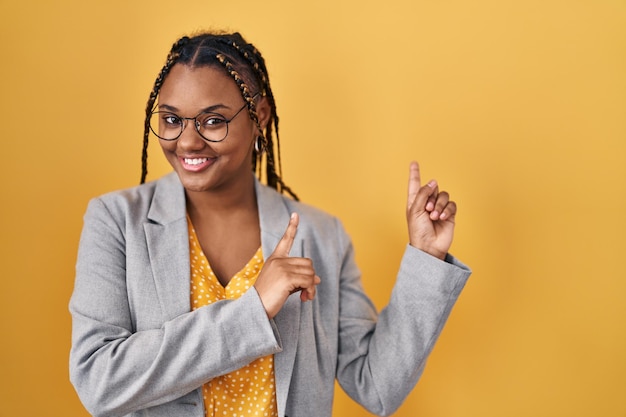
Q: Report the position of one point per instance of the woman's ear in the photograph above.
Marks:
(263, 111)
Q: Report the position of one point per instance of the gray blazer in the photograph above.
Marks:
(138, 350)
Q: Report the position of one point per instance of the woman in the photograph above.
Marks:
(208, 293)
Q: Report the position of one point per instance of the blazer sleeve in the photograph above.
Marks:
(382, 357)
(117, 370)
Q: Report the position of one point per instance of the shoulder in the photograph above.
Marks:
(140, 200)
(128, 199)
(314, 222)
(127, 196)
(312, 215)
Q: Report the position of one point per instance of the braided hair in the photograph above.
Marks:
(245, 65)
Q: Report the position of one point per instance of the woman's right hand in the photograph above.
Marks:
(282, 275)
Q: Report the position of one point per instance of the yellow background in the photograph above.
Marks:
(518, 108)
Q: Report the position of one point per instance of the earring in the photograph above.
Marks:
(259, 145)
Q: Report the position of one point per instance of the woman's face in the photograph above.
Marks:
(202, 165)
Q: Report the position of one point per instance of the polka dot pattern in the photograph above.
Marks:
(249, 391)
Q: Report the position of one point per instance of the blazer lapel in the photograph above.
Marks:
(168, 246)
(274, 217)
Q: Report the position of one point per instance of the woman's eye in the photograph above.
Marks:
(171, 120)
(212, 122)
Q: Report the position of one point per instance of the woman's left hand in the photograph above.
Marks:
(430, 215)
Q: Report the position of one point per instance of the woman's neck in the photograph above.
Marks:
(224, 200)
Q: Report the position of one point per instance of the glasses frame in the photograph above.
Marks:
(196, 123)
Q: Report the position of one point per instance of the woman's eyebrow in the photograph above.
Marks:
(209, 109)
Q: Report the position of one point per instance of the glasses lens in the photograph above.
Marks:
(211, 126)
(166, 125)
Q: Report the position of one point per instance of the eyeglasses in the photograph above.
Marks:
(213, 127)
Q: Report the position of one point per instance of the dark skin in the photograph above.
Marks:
(228, 234)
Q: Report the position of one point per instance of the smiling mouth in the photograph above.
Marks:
(196, 164)
(195, 161)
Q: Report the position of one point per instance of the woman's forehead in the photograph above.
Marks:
(198, 86)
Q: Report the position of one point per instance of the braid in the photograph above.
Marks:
(257, 62)
(245, 92)
(169, 63)
(254, 62)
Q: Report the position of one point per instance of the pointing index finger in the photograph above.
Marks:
(414, 182)
(284, 246)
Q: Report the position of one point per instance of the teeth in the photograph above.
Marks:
(195, 161)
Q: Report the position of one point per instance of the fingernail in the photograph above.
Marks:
(293, 215)
(432, 183)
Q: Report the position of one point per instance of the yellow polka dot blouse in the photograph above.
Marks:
(250, 391)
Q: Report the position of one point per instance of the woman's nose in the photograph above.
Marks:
(190, 138)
